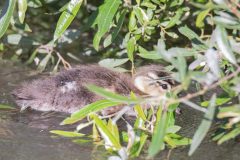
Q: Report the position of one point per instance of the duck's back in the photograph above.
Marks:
(66, 92)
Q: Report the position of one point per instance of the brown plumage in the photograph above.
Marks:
(66, 92)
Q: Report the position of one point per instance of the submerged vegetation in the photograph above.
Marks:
(197, 40)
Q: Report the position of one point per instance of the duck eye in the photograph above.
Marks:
(164, 86)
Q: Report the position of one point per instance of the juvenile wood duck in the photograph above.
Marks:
(66, 91)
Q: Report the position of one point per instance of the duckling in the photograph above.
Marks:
(66, 91)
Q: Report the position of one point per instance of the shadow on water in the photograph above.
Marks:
(25, 136)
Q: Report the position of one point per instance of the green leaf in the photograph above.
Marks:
(201, 16)
(175, 19)
(130, 48)
(104, 19)
(140, 113)
(173, 129)
(67, 133)
(181, 65)
(110, 139)
(195, 39)
(5, 16)
(158, 136)
(143, 139)
(114, 129)
(181, 141)
(110, 38)
(141, 15)
(232, 134)
(112, 96)
(223, 44)
(22, 8)
(4, 106)
(204, 126)
(91, 108)
(18, 39)
(219, 101)
(42, 65)
(132, 22)
(67, 17)
(213, 61)
(148, 54)
(112, 63)
(35, 3)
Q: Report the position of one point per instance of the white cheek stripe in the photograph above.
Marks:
(139, 83)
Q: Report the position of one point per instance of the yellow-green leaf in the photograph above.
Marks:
(201, 16)
(93, 107)
(130, 48)
(5, 16)
(67, 17)
(204, 126)
(67, 133)
(104, 19)
(223, 44)
(110, 139)
(22, 8)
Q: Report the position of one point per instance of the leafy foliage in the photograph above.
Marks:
(198, 40)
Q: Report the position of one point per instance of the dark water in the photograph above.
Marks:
(25, 136)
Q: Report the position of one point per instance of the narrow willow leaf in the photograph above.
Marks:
(175, 19)
(110, 38)
(190, 34)
(112, 96)
(67, 133)
(181, 141)
(232, 134)
(204, 126)
(141, 15)
(172, 34)
(158, 136)
(4, 106)
(148, 54)
(104, 19)
(35, 3)
(95, 133)
(114, 130)
(132, 22)
(219, 101)
(169, 141)
(91, 108)
(130, 48)
(18, 39)
(213, 61)
(109, 138)
(234, 109)
(201, 16)
(22, 8)
(195, 39)
(173, 129)
(112, 63)
(140, 113)
(66, 18)
(223, 44)
(182, 67)
(42, 65)
(5, 16)
(142, 142)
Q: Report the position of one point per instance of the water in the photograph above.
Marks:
(25, 136)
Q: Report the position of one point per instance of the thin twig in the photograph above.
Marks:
(205, 89)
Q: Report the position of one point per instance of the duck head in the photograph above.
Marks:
(153, 80)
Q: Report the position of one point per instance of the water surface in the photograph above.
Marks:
(25, 136)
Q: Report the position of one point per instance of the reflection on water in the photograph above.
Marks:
(25, 136)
